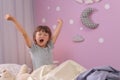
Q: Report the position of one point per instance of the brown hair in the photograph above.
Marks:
(44, 29)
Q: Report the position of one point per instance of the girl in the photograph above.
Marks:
(41, 48)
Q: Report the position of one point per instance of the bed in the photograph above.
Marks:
(68, 70)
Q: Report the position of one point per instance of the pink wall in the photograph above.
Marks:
(101, 45)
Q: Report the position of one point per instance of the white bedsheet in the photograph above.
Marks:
(68, 70)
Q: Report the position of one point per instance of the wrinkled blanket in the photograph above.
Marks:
(100, 73)
(68, 70)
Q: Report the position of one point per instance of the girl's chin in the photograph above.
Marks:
(41, 45)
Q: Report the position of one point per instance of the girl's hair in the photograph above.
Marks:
(44, 29)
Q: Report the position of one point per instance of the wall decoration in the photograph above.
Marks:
(71, 21)
(107, 6)
(79, 1)
(81, 28)
(101, 40)
(43, 20)
(54, 26)
(88, 1)
(58, 8)
(78, 38)
(48, 7)
(85, 18)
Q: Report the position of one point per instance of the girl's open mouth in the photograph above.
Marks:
(41, 40)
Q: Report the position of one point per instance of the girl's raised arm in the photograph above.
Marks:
(57, 30)
(19, 28)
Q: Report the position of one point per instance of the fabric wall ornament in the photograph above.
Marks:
(85, 18)
(78, 38)
(88, 1)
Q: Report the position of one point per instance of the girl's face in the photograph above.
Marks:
(42, 38)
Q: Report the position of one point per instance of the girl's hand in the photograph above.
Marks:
(60, 21)
(9, 17)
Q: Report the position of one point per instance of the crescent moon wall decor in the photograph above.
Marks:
(85, 18)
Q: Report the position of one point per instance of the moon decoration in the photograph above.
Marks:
(85, 18)
(78, 38)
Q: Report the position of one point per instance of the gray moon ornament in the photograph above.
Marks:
(85, 18)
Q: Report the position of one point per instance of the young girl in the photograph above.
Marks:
(41, 48)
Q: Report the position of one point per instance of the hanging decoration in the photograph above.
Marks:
(87, 1)
(78, 38)
(85, 18)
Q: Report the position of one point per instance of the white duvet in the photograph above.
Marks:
(68, 70)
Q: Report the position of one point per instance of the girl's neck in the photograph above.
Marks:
(44, 46)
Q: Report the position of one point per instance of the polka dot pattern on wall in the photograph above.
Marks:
(43, 20)
(71, 21)
(58, 8)
(101, 40)
(48, 7)
(107, 6)
(95, 42)
(81, 28)
(54, 26)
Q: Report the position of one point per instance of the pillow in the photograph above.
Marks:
(13, 68)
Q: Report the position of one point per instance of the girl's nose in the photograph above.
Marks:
(42, 35)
